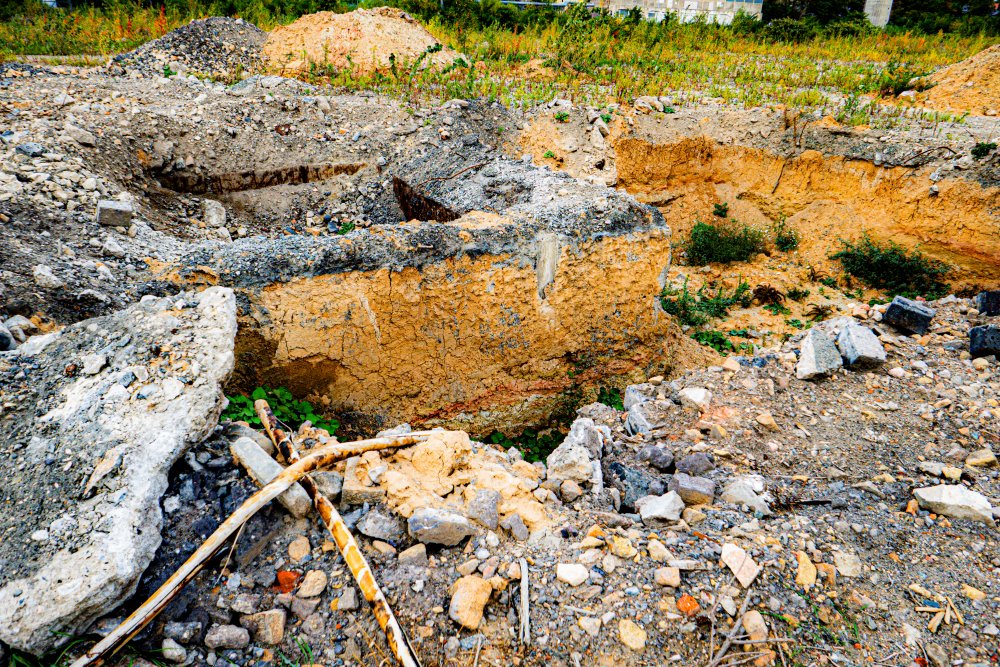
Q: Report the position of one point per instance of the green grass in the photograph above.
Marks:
(533, 445)
(723, 241)
(888, 266)
(286, 408)
(786, 237)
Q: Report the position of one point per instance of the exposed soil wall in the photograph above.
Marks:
(826, 197)
(484, 343)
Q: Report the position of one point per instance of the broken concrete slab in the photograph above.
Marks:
(438, 526)
(908, 315)
(113, 213)
(988, 303)
(818, 356)
(859, 346)
(115, 438)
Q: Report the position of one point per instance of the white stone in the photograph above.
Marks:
(695, 397)
(956, 501)
(573, 574)
(667, 507)
(569, 461)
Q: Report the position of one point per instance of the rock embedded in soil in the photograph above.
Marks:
(988, 303)
(573, 574)
(227, 636)
(908, 315)
(659, 509)
(956, 501)
(692, 490)
(438, 526)
(469, 596)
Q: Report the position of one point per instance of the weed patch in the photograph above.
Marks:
(288, 410)
(891, 267)
(533, 445)
(697, 309)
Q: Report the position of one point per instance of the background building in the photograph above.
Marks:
(878, 11)
(719, 11)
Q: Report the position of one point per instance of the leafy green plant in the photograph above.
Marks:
(796, 323)
(561, 116)
(724, 241)
(797, 294)
(345, 227)
(891, 267)
(786, 238)
(548, 155)
(720, 210)
(286, 408)
(982, 149)
(606, 117)
(533, 445)
(777, 309)
(697, 309)
(611, 397)
(788, 30)
(716, 340)
(829, 281)
(167, 71)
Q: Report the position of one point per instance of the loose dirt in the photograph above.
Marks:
(362, 41)
(970, 85)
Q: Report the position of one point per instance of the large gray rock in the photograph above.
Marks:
(585, 433)
(984, 341)
(956, 501)
(569, 461)
(7, 341)
(113, 213)
(818, 356)
(654, 509)
(90, 454)
(382, 524)
(988, 303)
(859, 346)
(437, 526)
(632, 483)
(692, 490)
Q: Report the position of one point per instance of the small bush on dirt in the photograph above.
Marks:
(562, 117)
(796, 294)
(288, 410)
(720, 210)
(786, 238)
(891, 267)
(724, 242)
(982, 149)
(777, 309)
(716, 340)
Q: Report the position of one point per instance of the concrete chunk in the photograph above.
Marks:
(988, 303)
(667, 507)
(860, 347)
(262, 468)
(437, 526)
(908, 315)
(113, 213)
(818, 356)
(984, 341)
(692, 490)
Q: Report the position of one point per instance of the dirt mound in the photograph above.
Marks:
(363, 40)
(970, 85)
(216, 46)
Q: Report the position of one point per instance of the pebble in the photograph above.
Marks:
(631, 634)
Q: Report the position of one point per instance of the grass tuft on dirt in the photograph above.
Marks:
(724, 241)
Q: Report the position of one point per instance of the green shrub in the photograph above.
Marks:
(777, 309)
(284, 406)
(786, 238)
(724, 241)
(745, 24)
(696, 309)
(611, 397)
(891, 267)
(720, 210)
(788, 30)
(716, 340)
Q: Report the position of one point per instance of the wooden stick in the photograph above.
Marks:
(732, 633)
(524, 633)
(398, 641)
(319, 458)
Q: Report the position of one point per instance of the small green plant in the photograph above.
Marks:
(561, 116)
(167, 71)
(611, 397)
(606, 117)
(796, 323)
(982, 149)
(786, 238)
(720, 210)
(288, 410)
(777, 309)
(345, 227)
(716, 340)
(829, 281)
(533, 445)
(548, 155)
(797, 294)
(669, 110)
(724, 241)
(891, 267)
(696, 309)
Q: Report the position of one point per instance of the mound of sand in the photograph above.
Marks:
(971, 85)
(363, 39)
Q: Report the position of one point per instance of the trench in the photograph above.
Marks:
(254, 179)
